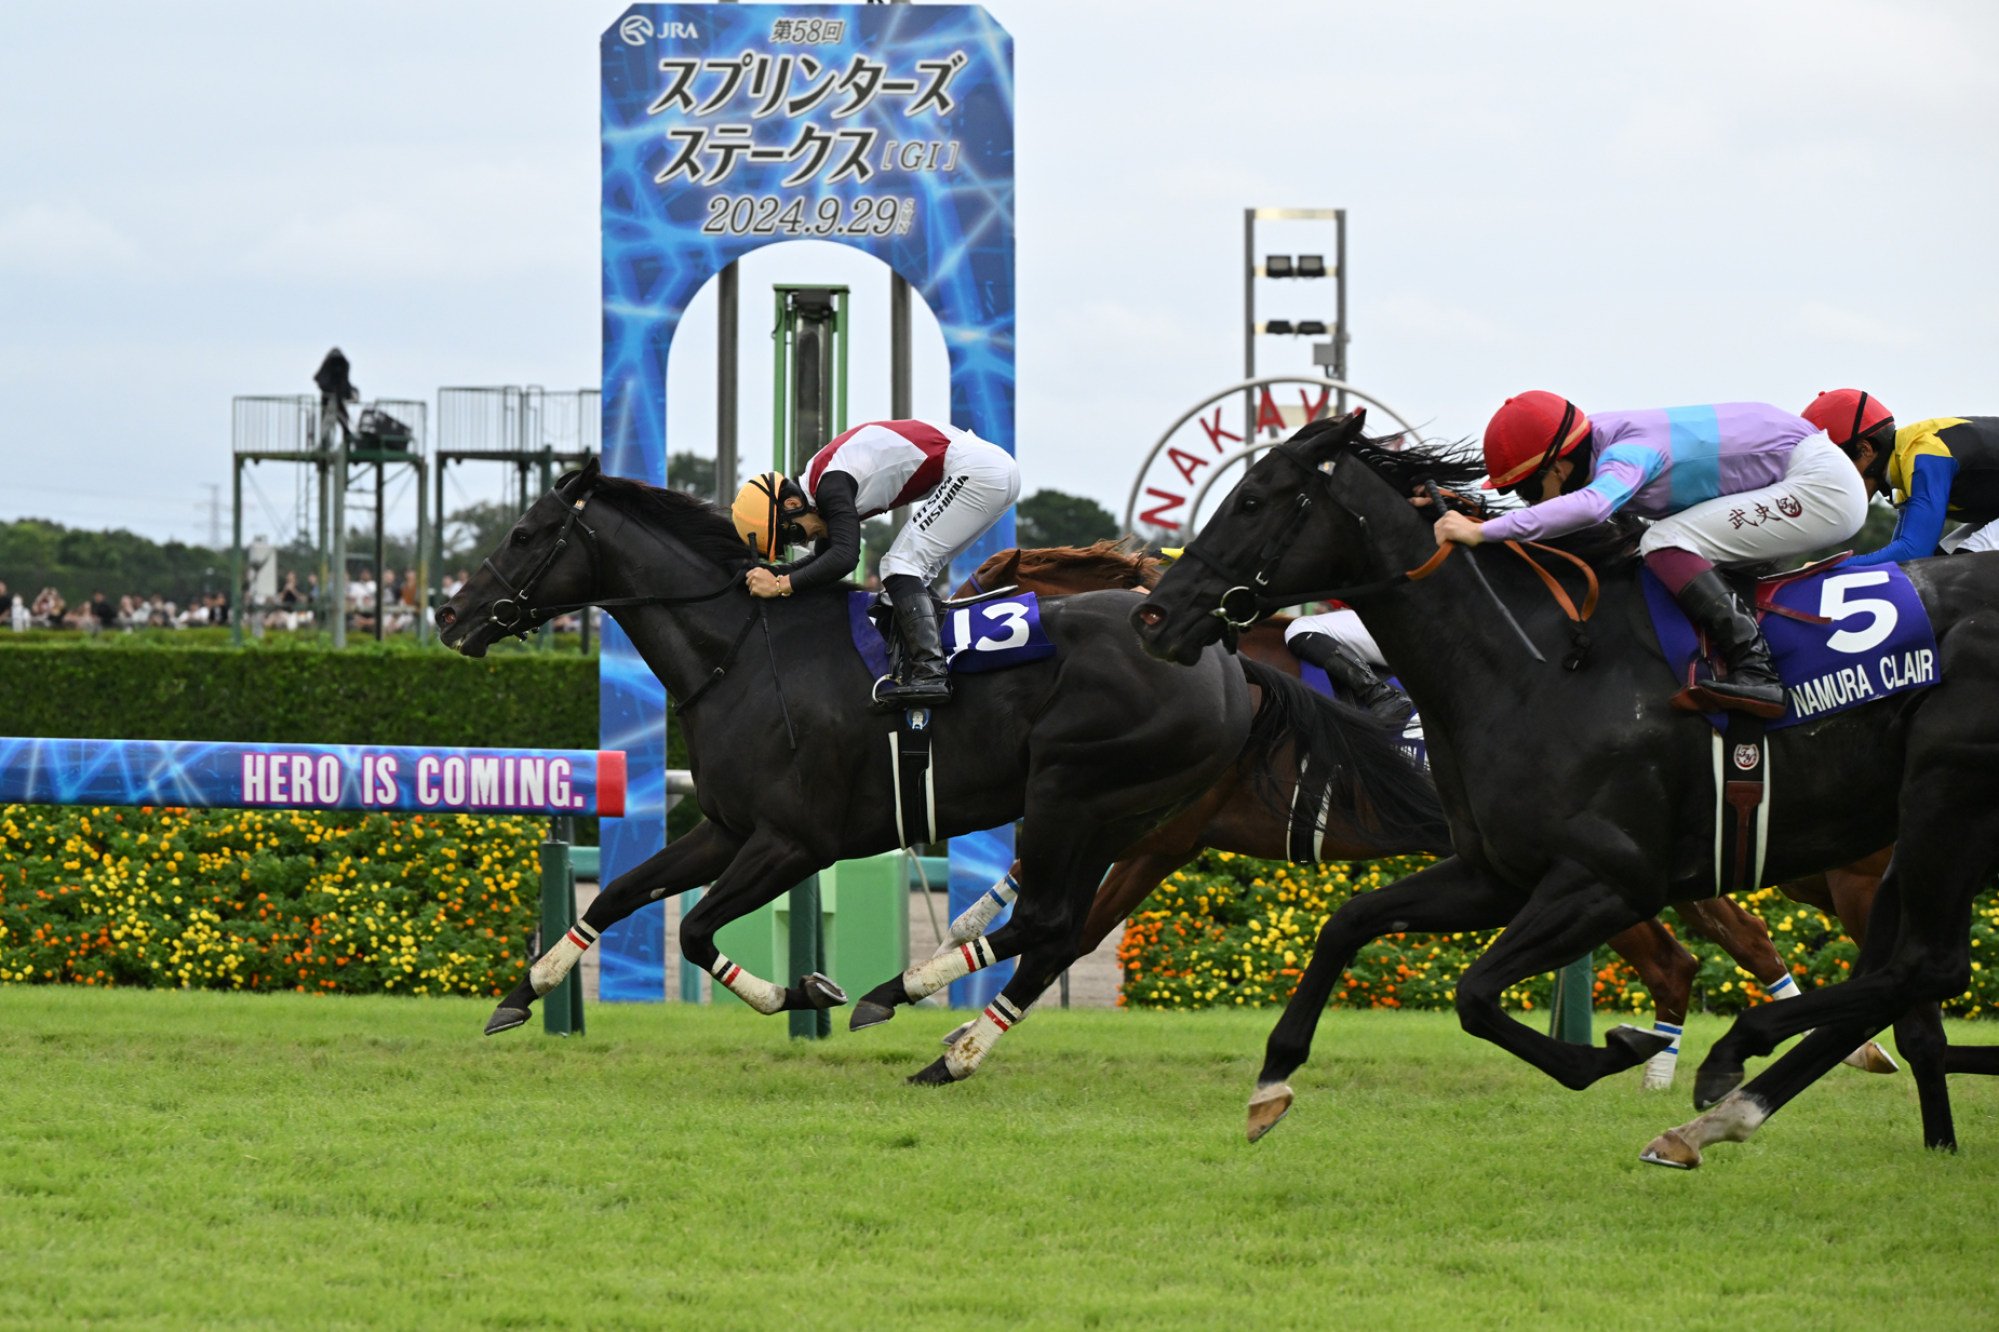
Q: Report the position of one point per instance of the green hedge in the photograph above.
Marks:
(116, 689)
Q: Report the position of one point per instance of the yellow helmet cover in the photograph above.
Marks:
(757, 512)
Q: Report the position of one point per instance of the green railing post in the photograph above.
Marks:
(808, 954)
(690, 976)
(1569, 1017)
(562, 1007)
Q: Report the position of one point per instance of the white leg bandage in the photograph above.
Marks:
(972, 921)
(1787, 988)
(755, 991)
(926, 978)
(549, 969)
(1659, 1070)
(963, 1059)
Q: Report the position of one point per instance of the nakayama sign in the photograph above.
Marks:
(1222, 430)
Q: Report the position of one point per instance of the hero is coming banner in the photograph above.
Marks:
(201, 774)
(730, 127)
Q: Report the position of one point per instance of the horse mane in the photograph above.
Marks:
(1116, 563)
(1459, 467)
(706, 529)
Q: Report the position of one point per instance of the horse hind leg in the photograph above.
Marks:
(1129, 883)
(1745, 937)
(1919, 1032)
(970, 923)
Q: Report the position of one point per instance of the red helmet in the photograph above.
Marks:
(1846, 414)
(1527, 433)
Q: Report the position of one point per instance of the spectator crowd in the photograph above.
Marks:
(49, 609)
(295, 606)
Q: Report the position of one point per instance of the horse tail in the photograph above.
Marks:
(1381, 790)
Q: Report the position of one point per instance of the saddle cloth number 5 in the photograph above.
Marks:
(1837, 605)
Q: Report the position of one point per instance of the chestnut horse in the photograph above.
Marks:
(1231, 818)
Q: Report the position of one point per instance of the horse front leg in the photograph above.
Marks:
(1449, 895)
(768, 866)
(688, 862)
(1570, 912)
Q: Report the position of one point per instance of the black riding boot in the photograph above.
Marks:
(923, 680)
(1352, 675)
(1751, 684)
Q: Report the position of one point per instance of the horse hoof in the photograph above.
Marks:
(934, 1075)
(1672, 1150)
(819, 992)
(951, 1036)
(505, 1019)
(1266, 1107)
(1634, 1045)
(868, 1013)
(1871, 1058)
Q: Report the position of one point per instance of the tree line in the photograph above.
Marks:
(37, 552)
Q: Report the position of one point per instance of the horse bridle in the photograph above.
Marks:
(1254, 588)
(1260, 602)
(520, 618)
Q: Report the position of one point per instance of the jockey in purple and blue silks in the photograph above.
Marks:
(1726, 483)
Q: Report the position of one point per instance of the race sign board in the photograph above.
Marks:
(725, 128)
(199, 774)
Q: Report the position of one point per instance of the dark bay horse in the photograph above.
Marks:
(1231, 817)
(1093, 747)
(1582, 801)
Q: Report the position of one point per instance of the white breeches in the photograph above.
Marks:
(1345, 628)
(1973, 537)
(980, 481)
(1819, 503)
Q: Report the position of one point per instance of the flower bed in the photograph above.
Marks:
(266, 900)
(1231, 930)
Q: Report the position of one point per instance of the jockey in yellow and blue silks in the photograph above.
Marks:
(1937, 471)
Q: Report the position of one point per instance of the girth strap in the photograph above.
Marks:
(1310, 809)
(915, 787)
(1742, 804)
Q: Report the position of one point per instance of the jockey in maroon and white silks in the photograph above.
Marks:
(959, 486)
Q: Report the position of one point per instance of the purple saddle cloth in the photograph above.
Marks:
(984, 636)
(1840, 637)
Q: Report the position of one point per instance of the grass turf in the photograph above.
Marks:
(183, 1159)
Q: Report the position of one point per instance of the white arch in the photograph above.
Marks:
(1249, 446)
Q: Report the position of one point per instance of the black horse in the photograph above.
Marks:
(1094, 746)
(1581, 801)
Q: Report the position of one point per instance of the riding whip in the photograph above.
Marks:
(1437, 498)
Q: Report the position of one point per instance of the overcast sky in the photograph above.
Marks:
(1635, 205)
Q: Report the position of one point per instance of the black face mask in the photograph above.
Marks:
(1528, 491)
